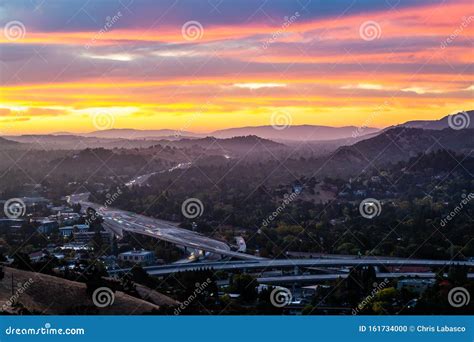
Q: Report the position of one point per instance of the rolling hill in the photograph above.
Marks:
(294, 133)
(51, 295)
(467, 117)
(399, 144)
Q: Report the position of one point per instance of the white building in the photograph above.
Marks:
(138, 257)
(67, 231)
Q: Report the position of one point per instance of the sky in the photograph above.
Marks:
(203, 65)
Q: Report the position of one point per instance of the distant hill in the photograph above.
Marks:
(138, 134)
(8, 143)
(74, 142)
(398, 144)
(294, 133)
(235, 145)
(442, 123)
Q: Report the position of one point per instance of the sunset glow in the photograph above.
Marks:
(158, 65)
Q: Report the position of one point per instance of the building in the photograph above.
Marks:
(67, 231)
(38, 256)
(61, 209)
(75, 246)
(12, 223)
(138, 257)
(68, 219)
(47, 226)
(416, 285)
(86, 236)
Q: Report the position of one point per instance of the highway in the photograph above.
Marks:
(291, 263)
(143, 179)
(117, 221)
(314, 278)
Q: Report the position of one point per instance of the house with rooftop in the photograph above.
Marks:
(138, 257)
(69, 230)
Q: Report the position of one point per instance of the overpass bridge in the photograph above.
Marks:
(315, 278)
(246, 265)
(119, 221)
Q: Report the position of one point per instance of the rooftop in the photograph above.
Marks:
(135, 252)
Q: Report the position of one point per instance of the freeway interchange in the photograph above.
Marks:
(118, 221)
(267, 264)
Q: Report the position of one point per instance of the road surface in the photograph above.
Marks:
(117, 221)
(291, 263)
(313, 278)
(143, 179)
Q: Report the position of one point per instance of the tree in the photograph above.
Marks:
(245, 285)
(307, 310)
